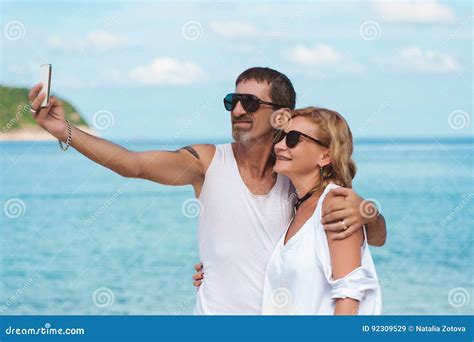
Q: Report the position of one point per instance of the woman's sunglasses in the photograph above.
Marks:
(293, 138)
(250, 103)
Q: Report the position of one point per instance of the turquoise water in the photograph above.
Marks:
(75, 238)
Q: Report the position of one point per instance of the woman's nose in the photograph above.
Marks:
(281, 145)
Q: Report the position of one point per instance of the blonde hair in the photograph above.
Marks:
(335, 133)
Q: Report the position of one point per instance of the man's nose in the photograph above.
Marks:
(238, 111)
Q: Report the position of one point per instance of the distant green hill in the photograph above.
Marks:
(15, 114)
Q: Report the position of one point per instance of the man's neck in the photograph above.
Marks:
(255, 156)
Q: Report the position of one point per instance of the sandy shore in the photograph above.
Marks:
(36, 133)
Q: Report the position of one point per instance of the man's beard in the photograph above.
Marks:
(241, 136)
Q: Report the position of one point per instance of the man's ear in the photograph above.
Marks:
(325, 159)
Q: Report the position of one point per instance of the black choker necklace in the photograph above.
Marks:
(304, 198)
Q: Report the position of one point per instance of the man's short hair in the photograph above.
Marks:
(281, 88)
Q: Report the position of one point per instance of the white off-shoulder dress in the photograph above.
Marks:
(298, 277)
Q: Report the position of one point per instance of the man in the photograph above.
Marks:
(246, 207)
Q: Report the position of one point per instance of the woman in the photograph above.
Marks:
(309, 272)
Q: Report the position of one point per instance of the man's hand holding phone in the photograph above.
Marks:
(47, 111)
(51, 118)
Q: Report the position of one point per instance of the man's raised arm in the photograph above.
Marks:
(181, 167)
(346, 212)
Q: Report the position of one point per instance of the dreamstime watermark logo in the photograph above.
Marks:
(107, 204)
(17, 295)
(370, 30)
(185, 305)
(46, 330)
(384, 282)
(190, 121)
(109, 21)
(102, 297)
(14, 30)
(458, 119)
(466, 199)
(373, 116)
(458, 297)
(103, 119)
(20, 112)
(192, 208)
(280, 119)
(464, 24)
(14, 208)
(370, 208)
(281, 297)
(192, 30)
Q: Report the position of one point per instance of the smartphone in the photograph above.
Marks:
(45, 79)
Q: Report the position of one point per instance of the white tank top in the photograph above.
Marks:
(238, 231)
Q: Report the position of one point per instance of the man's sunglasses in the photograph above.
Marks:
(293, 138)
(250, 103)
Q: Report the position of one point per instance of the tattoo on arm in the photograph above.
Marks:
(190, 149)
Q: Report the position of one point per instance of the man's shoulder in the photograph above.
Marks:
(206, 154)
(205, 149)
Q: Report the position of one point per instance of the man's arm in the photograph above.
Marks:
(181, 167)
(376, 231)
(184, 166)
(346, 212)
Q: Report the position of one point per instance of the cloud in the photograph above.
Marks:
(105, 41)
(322, 57)
(427, 61)
(414, 11)
(98, 40)
(167, 70)
(234, 29)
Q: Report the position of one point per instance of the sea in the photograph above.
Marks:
(76, 238)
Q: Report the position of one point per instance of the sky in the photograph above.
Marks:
(159, 70)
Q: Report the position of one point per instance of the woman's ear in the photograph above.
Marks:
(325, 159)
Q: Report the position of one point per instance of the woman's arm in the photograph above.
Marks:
(345, 257)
